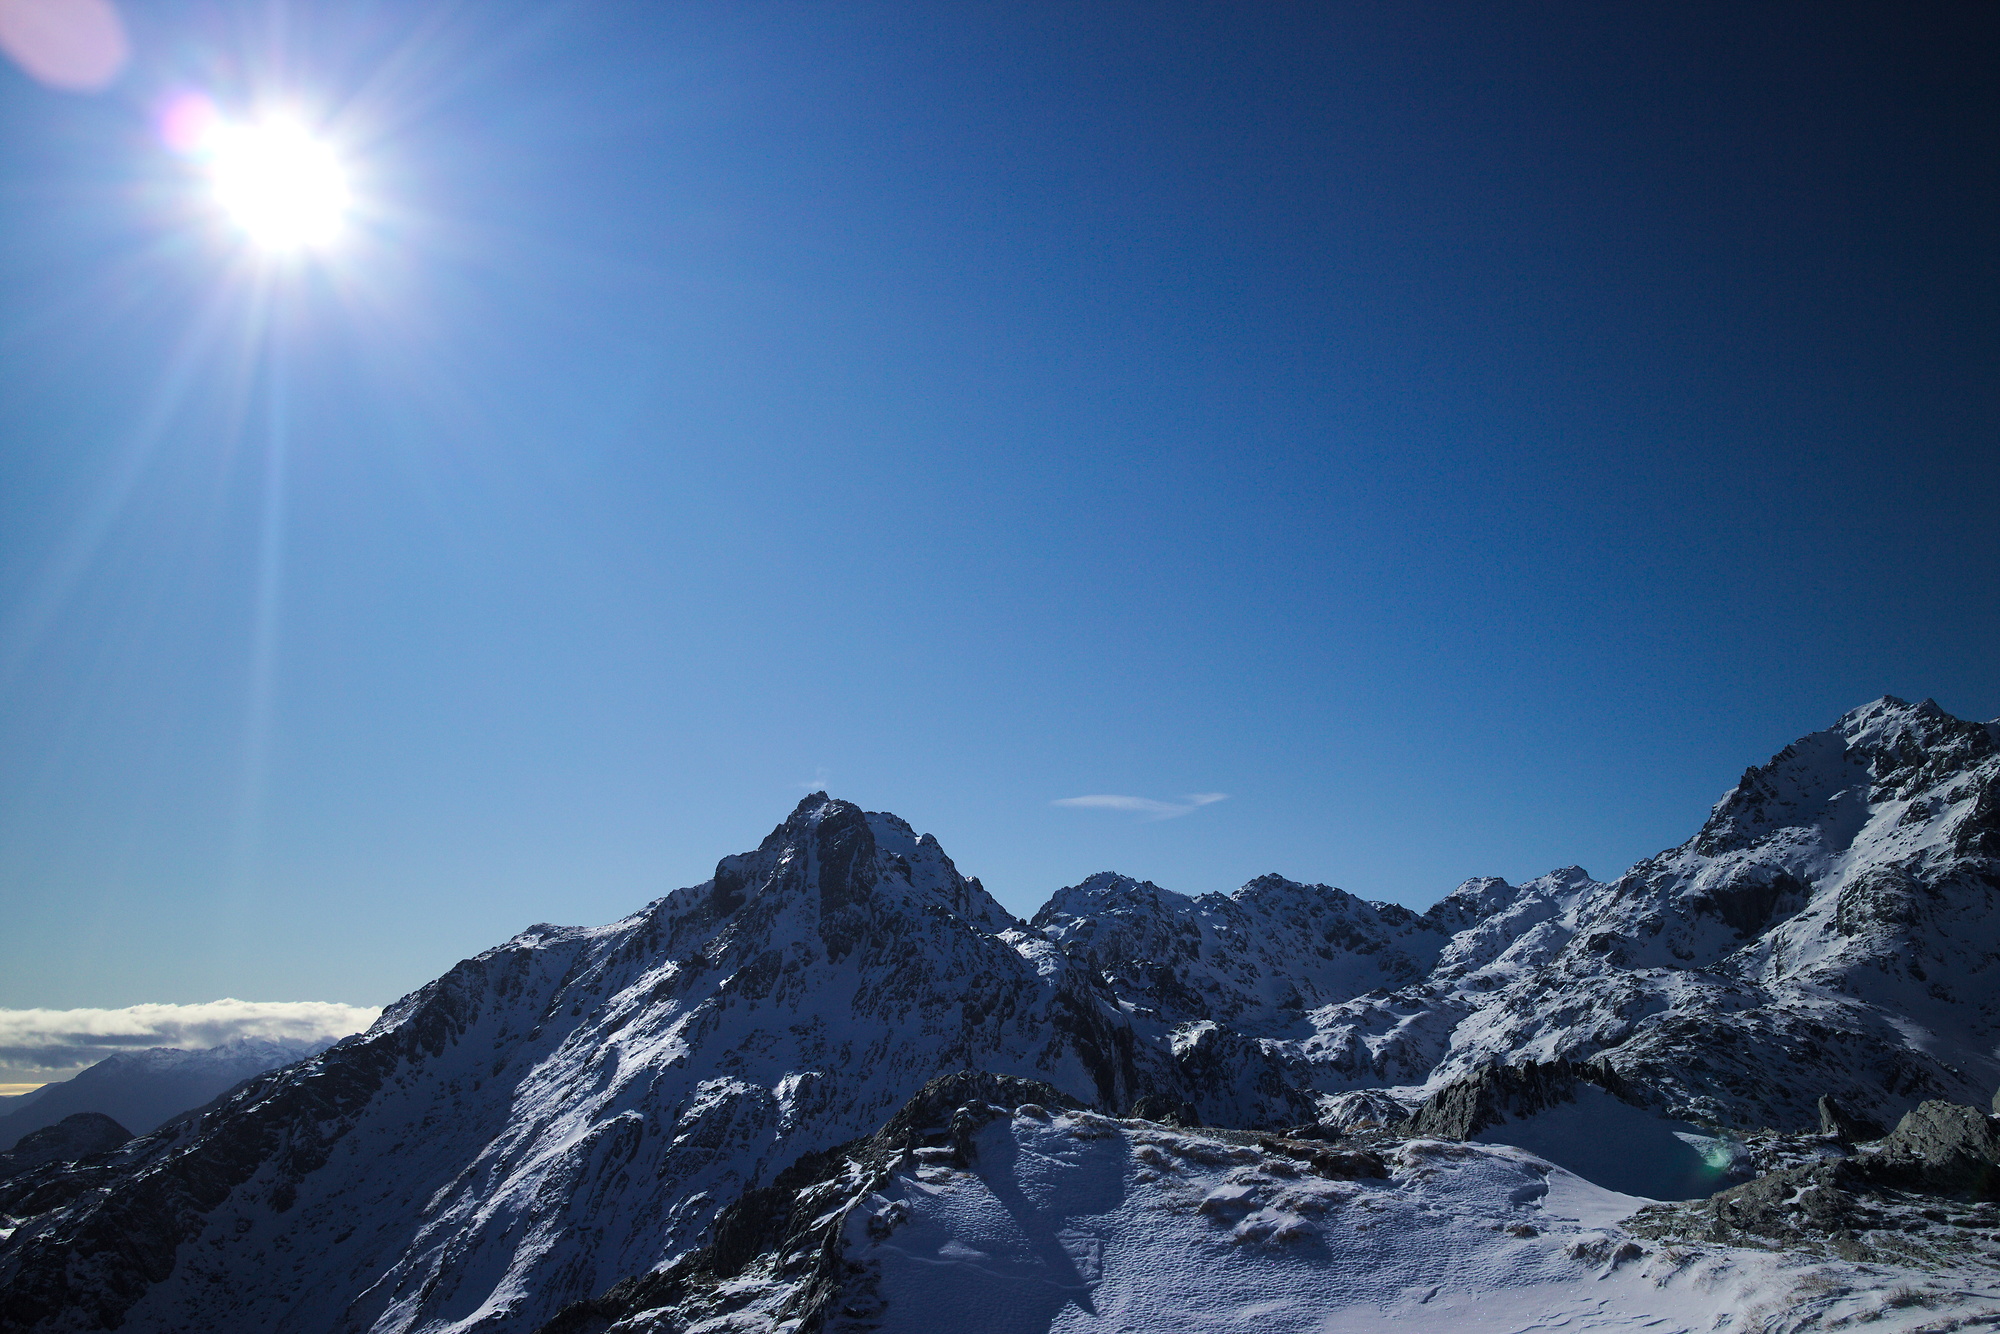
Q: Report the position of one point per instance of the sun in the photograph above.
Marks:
(285, 189)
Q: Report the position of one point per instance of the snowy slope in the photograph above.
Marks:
(579, 1105)
(575, 1104)
(141, 1089)
(1833, 928)
(1037, 1219)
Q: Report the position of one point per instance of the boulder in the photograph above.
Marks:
(1944, 1148)
(1837, 1121)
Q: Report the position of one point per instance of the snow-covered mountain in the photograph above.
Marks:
(579, 1105)
(1833, 928)
(1254, 960)
(575, 1105)
(141, 1089)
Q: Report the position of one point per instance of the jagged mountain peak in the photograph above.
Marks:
(1835, 921)
(1562, 878)
(1488, 912)
(578, 1104)
(866, 871)
(1883, 750)
(1257, 959)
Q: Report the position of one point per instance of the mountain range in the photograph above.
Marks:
(581, 1107)
(141, 1089)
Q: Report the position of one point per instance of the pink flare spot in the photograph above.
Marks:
(187, 121)
(75, 44)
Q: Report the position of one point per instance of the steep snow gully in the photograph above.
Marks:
(1286, 1105)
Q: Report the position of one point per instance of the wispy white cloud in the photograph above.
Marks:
(1146, 806)
(50, 1044)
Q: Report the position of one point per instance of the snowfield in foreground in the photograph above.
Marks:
(1075, 1221)
(1083, 1223)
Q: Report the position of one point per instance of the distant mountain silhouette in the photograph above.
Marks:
(141, 1089)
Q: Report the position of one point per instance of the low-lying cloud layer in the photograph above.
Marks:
(41, 1045)
(1146, 806)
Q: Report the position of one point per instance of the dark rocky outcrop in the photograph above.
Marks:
(79, 1135)
(1495, 1094)
(1167, 1110)
(1838, 1122)
(1942, 1148)
(783, 1226)
(1939, 1166)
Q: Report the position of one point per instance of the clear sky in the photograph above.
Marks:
(1465, 435)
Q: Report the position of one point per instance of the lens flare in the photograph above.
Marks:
(284, 188)
(187, 120)
(80, 45)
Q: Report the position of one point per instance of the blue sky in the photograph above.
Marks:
(1466, 436)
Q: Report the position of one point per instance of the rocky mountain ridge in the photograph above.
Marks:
(580, 1105)
(1833, 927)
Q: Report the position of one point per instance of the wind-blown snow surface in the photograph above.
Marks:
(576, 1105)
(1074, 1222)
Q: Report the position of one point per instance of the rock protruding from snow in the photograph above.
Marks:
(1497, 1094)
(1836, 1121)
(1929, 1193)
(1954, 1147)
(1051, 1219)
(579, 1103)
(1833, 928)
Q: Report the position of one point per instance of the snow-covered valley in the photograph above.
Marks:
(582, 1110)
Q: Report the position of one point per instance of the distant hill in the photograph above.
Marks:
(141, 1089)
(77, 1136)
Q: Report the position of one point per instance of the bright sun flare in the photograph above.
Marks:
(283, 187)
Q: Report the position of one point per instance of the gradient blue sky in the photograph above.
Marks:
(1466, 435)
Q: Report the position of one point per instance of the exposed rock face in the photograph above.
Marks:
(76, 1136)
(1928, 1185)
(1944, 1148)
(1498, 1093)
(1835, 1121)
(1833, 927)
(578, 1104)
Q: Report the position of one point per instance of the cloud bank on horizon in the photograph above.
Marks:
(1145, 806)
(41, 1045)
